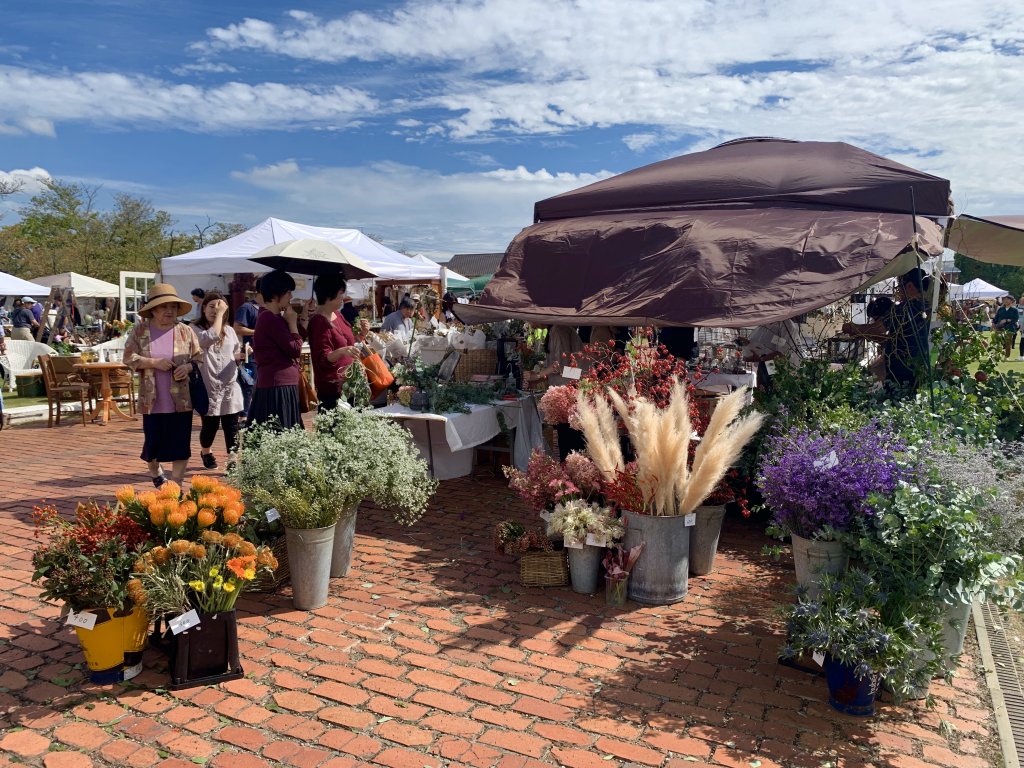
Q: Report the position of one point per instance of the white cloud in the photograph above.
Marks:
(34, 101)
(414, 207)
(203, 67)
(28, 181)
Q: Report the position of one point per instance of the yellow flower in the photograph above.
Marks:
(198, 585)
(229, 586)
(218, 582)
(250, 573)
(215, 571)
(125, 494)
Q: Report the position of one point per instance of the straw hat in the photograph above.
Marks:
(163, 293)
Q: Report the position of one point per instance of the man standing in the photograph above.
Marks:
(198, 294)
(1005, 324)
(400, 321)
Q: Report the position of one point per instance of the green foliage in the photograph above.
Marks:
(450, 397)
(1009, 278)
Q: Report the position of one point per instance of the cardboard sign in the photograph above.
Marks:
(594, 541)
(84, 620)
(185, 621)
(273, 514)
(570, 372)
(819, 658)
(690, 520)
(573, 544)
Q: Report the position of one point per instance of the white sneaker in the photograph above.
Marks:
(1020, 359)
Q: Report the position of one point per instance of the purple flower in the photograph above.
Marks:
(813, 494)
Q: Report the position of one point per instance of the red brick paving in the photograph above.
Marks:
(431, 654)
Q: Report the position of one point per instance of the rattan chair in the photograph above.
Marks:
(58, 392)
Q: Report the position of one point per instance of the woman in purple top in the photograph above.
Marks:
(277, 346)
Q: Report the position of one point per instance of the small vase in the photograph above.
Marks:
(310, 551)
(615, 591)
(812, 558)
(344, 538)
(704, 539)
(585, 568)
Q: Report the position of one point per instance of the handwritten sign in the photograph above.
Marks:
(573, 544)
(571, 372)
(185, 621)
(690, 520)
(596, 541)
(84, 620)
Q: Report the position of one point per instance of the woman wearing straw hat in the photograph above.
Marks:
(163, 350)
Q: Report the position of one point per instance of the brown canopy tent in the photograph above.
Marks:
(746, 233)
(994, 240)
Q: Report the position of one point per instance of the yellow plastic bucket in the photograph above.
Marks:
(106, 643)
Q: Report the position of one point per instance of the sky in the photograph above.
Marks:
(435, 125)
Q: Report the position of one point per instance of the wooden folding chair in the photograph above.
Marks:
(58, 390)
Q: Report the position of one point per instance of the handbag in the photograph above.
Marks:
(307, 395)
(378, 374)
(197, 391)
(246, 377)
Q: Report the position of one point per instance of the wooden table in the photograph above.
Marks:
(106, 405)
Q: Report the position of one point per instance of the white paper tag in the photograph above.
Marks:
(84, 620)
(594, 541)
(769, 365)
(569, 372)
(690, 520)
(545, 515)
(186, 621)
(827, 462)
(573, 544)
(819, 658)
(273, 514)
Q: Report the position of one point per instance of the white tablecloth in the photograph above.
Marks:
(452, 436)
(726, 382)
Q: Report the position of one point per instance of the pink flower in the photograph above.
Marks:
(583, 472)
(557, 405)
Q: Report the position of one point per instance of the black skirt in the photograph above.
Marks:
(276, 404)
(168, 436)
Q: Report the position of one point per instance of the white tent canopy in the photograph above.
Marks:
(84, 286)
(232, 255)
(979, 289)
(15, 286)
(452, 274)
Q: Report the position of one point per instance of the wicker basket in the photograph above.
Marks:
(544, 569)
(476, 362)
(268, 582)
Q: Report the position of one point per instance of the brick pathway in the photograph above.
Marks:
(432, 654)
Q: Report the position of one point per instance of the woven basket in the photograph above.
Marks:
(268, 582)
(544, 569)
(476, 362)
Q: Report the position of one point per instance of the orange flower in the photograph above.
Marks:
(239, 565)
(211, 537)
(246, 549)
(203, 483)
(265, 559)
(157, 516)
(198, 552)
(180, 546)
(125, 494)
(169, 490)
(236, 508)
(232, 540)
(207, 500)
(231, 516)
(147, 498)
(177, 519)
(160, 555)
(206, 517)
(189, 508)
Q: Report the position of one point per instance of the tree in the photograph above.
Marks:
(215, 232)
(139, 236)
(1011, 279)
(62, 229)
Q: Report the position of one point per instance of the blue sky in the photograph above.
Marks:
(434, 125)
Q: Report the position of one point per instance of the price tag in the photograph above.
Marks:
(827, 462)
(273, 514)
(690, 520)
(186, 621)
(573, 544)
(545, 515)
(819, 658)
(84, 620)
(570, 372)
(594, 541)
(769, 365)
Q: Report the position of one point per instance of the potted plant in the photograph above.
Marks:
(659, 491)
(817, 484)
(198, 582)
(291, 474)
(618, 563)
(379, 461)
(929, 547)
(846, 629)
(86, 563)
(586, 528)
(548, 481)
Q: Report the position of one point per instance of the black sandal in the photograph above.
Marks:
(209, 461)
(158, 481)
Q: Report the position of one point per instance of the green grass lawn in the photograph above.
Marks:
(11, 400)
